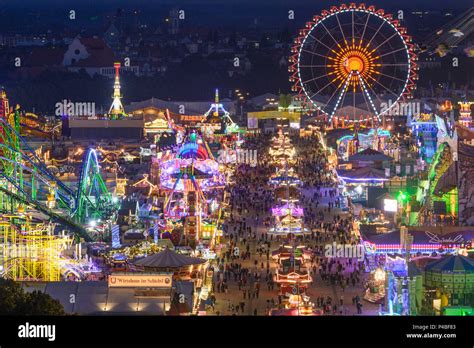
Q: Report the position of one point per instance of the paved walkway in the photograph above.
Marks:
(317, 288)
(234, 296)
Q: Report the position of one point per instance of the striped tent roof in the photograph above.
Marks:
(452, 263)
(370, 154)
(168, 259)
(363, 172)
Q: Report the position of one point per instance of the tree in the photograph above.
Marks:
(11, 294)
(15, 301)
(289, 100)
(285, 101)
(40, 303)
(282, 103)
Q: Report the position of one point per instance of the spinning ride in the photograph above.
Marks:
(185, 178)
(217, 119)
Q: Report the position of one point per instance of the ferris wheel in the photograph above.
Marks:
(353, 58)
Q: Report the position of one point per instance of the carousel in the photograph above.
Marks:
(168, 261)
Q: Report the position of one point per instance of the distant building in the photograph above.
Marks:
(112, 36)
(154, 105)
(94, 56)
(263, 101)
(31, 40)
(87, 128)
(105, 298)
(173, 22)
(41, 59)
(429, 62)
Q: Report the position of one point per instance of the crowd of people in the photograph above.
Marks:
(312, 163)
(245, 262)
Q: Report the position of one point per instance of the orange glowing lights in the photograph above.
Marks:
(354, 61)
(354, 64)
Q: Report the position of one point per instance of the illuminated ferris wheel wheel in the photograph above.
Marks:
(353, 59)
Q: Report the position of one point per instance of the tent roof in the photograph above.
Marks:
(452, 263)
(413, 270)
(363, 172)
(168, 259)
(447, 181)
(370, 154)
(352, 111)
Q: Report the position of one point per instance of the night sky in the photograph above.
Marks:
(235, 13)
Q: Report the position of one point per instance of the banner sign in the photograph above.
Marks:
(140, 281)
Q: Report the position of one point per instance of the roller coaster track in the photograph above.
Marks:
(464, 23)
(35, 160)
(90, 199)
(91, 182)
(35, 132)
(65, 199)
(77, 228)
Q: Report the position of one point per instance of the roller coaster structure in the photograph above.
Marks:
(35, 255)
(25, 181)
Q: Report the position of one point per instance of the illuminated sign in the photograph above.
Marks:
(115, 236)
(370, 248)
(436, 239)
(450, 242)
(390, 205)
(295, 125)
(191, 118)
(252, 122)
(140, 281)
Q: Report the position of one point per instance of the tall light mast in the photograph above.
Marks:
(117, 108)
(216, 106)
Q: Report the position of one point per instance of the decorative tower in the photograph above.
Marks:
(216, 100)
(116, 108)
(465, 117)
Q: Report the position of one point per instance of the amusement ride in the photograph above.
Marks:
(353, 56)
(33, 200)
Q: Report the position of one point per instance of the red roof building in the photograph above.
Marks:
(94, 56)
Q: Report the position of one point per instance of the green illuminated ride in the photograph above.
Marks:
(25, 181)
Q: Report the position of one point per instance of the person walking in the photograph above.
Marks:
(359, 308)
